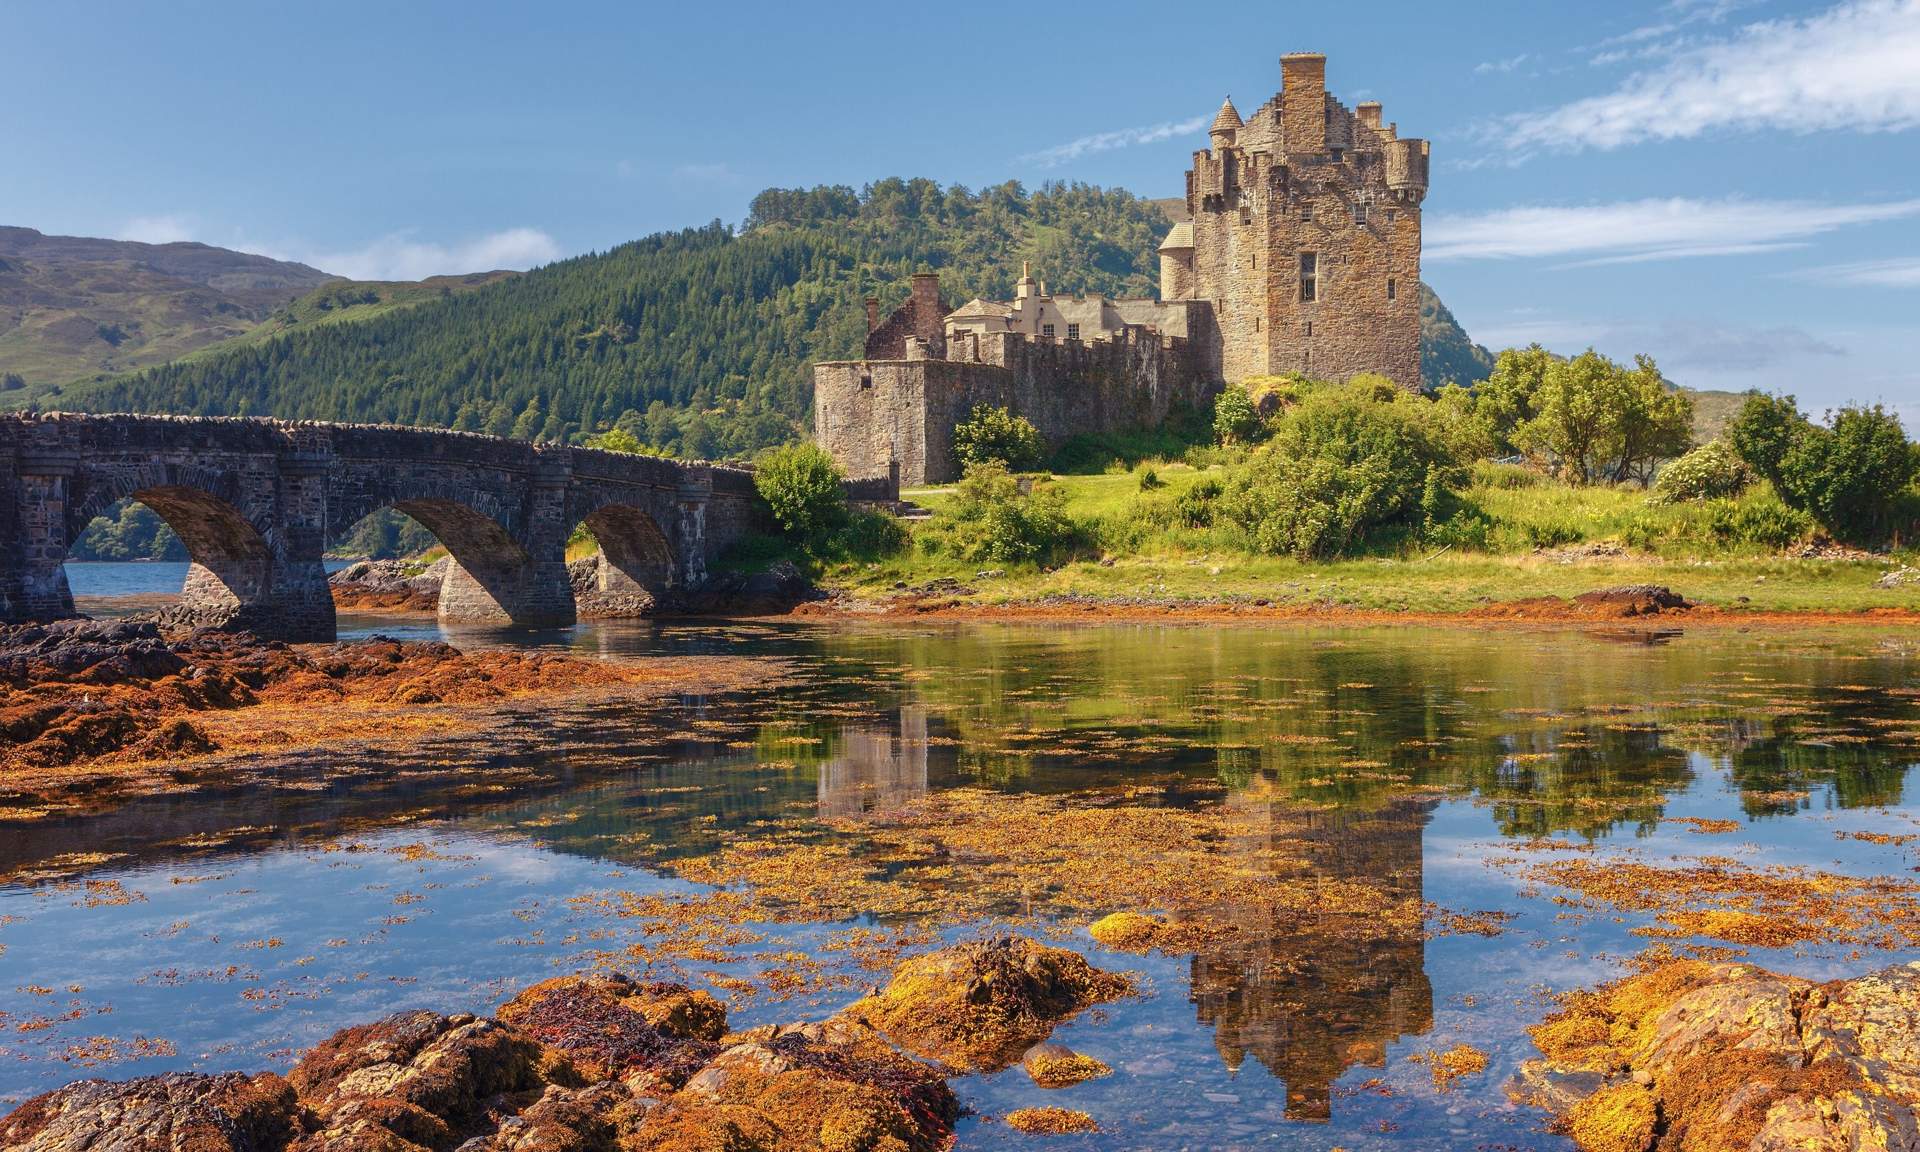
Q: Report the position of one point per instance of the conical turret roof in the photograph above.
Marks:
(1229, 118)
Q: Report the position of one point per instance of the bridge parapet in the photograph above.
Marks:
(256, 500)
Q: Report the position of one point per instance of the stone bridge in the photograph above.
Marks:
(256, 501)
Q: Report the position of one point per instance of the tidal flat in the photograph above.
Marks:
(1345, 870)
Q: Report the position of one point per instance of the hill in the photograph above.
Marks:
(73, 306)
(698, 341)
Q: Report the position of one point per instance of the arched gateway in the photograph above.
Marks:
(255, 502)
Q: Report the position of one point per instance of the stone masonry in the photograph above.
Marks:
(255, 502)
(1300, 253)
(1304, 232)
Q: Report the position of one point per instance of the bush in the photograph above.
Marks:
(12, 382)
(1491, 474)
(997, 436)
(1850, 476)
(1235, 419)
(994, 516)
(1345, 461)
(1195, 507)
(801, 485)
(1150, 480)
(1713, 471)
(1759, 523)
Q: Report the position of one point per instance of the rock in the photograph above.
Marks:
(979, 1005)
(392, 585)
(590, 603)
(416, 1076)
(1050, 1121)
(833, 1085)
(1730, 1056)
(597, 1118)
(1904, 576)
(1631, 600)
(774, 592)
(178, 1112)
(653, 1036)
(1052, 1065)
(1873, 1024)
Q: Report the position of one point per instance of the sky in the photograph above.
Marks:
(1732, 186)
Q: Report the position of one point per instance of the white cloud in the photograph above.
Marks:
(1899, 272)
(1851, 68)
(398, 257)
(156, 229)
(1639, 230)
(1507, 65)
(1107, 141)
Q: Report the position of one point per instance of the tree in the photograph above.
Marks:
(12, 382)
(1598, 422)
(617, 440)
(1849, 475)
(801, 485)
(997, 436)
(1505, 399)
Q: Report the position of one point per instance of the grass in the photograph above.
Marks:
(1405, 574)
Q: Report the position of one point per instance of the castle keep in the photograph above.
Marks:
(1299, 252)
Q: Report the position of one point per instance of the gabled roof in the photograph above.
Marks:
(1229, 118)
(1179, 238)
(978, 307)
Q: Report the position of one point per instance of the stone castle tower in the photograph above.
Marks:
(1304, 234)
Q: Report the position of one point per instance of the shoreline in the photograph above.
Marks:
(1524, 612)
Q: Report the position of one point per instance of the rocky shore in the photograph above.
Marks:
(1695, 1057)
(405, 586)
(79, 693)
(388, 585)
(608, 1064)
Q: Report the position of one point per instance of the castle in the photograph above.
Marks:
(1299, 252)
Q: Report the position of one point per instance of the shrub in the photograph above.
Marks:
(1195, 506)
(1150, 479)
(12, 382)
(997, 436)
(1765, 523)
(1712, 471)
(619, 440)
(1850, 476)
(1491, 474)
(1235, 419)
(801, 485)
(1345, 461)
(993, 515)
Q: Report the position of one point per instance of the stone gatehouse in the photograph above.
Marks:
(1297, 251)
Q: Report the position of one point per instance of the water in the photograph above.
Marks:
(1414, 768)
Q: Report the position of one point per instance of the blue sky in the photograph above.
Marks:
(1731, 185)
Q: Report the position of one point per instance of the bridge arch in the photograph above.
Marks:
(637, 567)
(230, 559)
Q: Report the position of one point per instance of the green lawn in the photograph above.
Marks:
(1414, 578)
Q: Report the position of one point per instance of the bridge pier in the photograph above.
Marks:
(522, 586)
(33, 578)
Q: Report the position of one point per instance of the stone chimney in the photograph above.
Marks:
(873, 313)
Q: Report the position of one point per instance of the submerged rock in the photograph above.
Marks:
(1052, 1065)
(179, 1112)
(1697, 1057)
(979, 1005)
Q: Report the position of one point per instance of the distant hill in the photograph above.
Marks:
(699, 342)
(72, 306)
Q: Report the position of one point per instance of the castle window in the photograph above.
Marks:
(1390, 289)
(866, 380)
(1309, 329)
(1309, 277)
(1359, 213)
(1392, 215)
(1073, 331)
(1047, 331)
(1306, 213)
